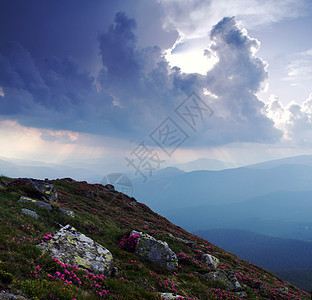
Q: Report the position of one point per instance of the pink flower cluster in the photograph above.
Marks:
(128, 243)
(68, 275)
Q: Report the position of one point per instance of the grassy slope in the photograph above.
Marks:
(107, 218)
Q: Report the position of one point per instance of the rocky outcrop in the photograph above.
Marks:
(155, 250)
(30, 213)
(74, 248)
(44, 187)
(41, 204)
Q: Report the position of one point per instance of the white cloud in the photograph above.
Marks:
(295, 120)
(1, 92)
(300, 69)
(193, 19)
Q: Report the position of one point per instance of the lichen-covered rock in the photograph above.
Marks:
(227, 278)
(170, 296)
(74, 248)
(45, 187)
(41, 204)
(210, 260)
(155, 250)
(30, 213)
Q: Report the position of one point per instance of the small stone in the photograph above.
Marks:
(211, 260)
(8, 296)
(114, 272)
(284, 289)
(67, 212)
(30, 213)
(170, 296)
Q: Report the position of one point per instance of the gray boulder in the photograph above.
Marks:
(41, 204)
(155, 250)
(74, 248)
(30, 213)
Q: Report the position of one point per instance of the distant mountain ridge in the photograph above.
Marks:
(226, 186)
(305, 160)
(270, 213)
(205, 164)
(42, 170)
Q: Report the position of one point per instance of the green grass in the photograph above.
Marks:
(25, 270)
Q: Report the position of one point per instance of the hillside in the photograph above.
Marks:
(33, 215)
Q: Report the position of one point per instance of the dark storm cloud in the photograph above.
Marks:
(59, 95)
(136, 89)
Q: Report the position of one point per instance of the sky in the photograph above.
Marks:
(141, 83)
